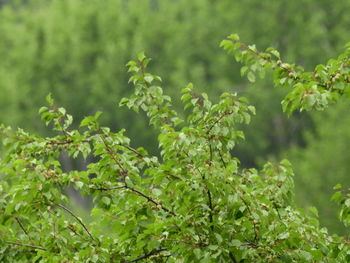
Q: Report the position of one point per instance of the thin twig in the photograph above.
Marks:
(251, 214)
(232, 257)
(109, 189)
(211, 152)
(152, 253)
(150, 199)
(109, 150)
(275, 206)
(210, 202)
(133, 150)
(211, 210)
(21, 226)
(71, 228)
(77, 218)
(125, 173)
(193, 245)
(218, 119)
(222, 160)
(137, 192)
(25, 245)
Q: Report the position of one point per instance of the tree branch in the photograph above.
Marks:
(218, 120)
(222, 160)
(125, 172)
(25, 245)
(251, 214)
(152, 253)
(210, 202)
(149, 199)
(232, 257)
(109, 150)
(109, 189)
(77, 218)
(21, 226)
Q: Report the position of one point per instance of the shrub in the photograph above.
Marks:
(192, 204)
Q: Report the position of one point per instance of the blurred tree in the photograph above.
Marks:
(324, 162)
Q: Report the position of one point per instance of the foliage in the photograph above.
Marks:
(77, 49)
(193, 204)
(310, 90)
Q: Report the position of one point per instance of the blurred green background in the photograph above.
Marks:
(77, 50)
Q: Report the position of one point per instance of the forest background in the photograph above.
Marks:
(77, 50)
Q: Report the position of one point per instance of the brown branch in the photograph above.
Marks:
(71, 228)
(125, 173)
(21, 226)
(276, 208)
(211, 210)
(173, 176)
(77, 218)
(150, 199)
(210, 152)
(88, 140)
(108, 189)
(25, 245)
(219, 119)
(109, 150)
(232, 257)
(193, 245)
(56, 142)
(251, 214)
(210, 203)
(152, 253)
(222, 160)
(133, 150)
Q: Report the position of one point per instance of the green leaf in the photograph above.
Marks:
(106, 200)
(235, 243)
(284, 235)
(243, 70)
(218, 237)
(234, 37)
(49, 99)
(275, 53)
(79, 184)
(43, 109)
(337, 186)
(251, 76)
(313, 211)
(156, 192)
(149, 78)
(141, 56)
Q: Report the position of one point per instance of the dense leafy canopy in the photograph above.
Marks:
(77, 49)
(192, 204)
